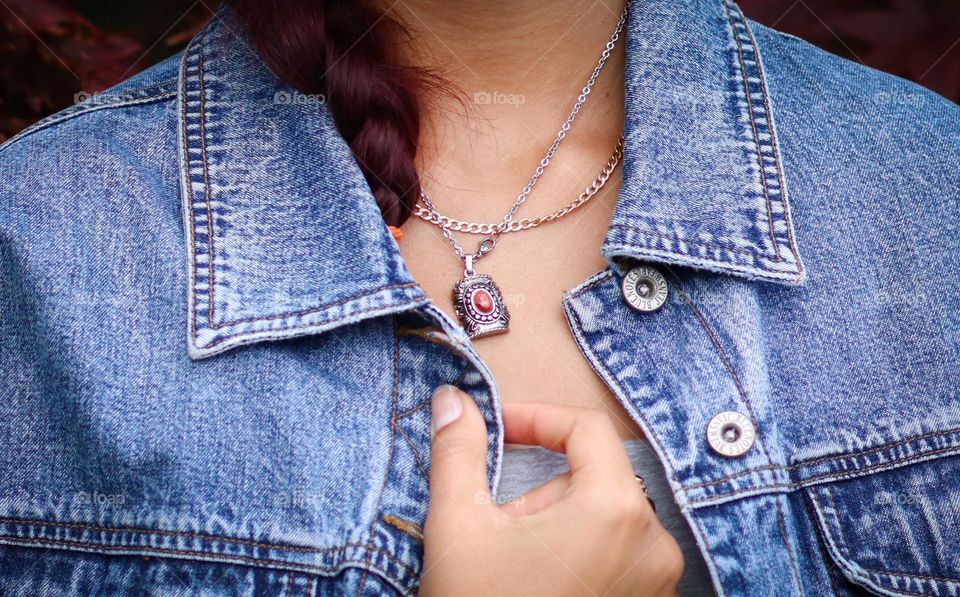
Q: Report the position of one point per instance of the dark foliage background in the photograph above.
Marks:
(53, 52)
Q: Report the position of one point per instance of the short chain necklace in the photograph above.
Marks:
(476, 298)
(433, 215)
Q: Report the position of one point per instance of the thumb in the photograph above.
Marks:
(458, 456)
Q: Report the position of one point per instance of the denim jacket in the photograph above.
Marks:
(215, 367)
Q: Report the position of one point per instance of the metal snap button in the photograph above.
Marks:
(731, 434)
(644, 288)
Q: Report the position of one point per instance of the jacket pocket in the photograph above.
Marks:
(895, 532)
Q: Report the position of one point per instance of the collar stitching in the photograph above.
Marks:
(764, 136)
(775, 148)
(680, 239)
(284, 332)
(735, 30)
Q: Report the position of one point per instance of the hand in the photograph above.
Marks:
(588, 532)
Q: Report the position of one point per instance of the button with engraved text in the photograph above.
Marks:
(731, 434)
(644, 288)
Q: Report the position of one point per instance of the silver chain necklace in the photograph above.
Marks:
(476, 298)
(436, 218)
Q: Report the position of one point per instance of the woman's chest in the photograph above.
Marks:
(538, 359)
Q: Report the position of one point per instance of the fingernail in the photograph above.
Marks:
(445, 407)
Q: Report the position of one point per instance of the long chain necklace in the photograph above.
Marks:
(477, 299)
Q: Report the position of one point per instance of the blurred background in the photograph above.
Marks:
(54, 51)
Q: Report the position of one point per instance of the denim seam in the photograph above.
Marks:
(601, 277)
(777, 499)
(461, 377)
(195, 48)
(190, 199)
(753, 268)
(130, 99)
(176, 534)
(829, 564)
(419, 406)
(748, 96)
(718, 347)
(875, 448)
(680, 239)
(806, 463)
(448, 343)
(200, 555)
(426, 403)
(769, 467)
(840, 545)
(223, 339)
(413, 450)
(363, 581)
(833, 504)
(390, 452)
(767, 151)
(289, 590)
(832, 543)
(685, 298)
(201, 92)
(595, 363)
(318, 308)
(774, 144)
(424, 334)
(714, 571)
(831, 477)
(137, 91)
(208, 555)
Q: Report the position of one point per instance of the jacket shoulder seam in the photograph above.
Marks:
(156, 92)
(885, 78)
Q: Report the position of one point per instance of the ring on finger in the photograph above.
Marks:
(646, 494)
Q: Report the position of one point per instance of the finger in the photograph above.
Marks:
(586, 436)
(539, 498)
(458, 457)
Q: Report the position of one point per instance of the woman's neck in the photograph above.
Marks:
(512, 43)
(517, 67)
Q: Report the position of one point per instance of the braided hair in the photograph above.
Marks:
(342, 49)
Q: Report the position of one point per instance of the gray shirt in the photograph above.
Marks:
(527, 467)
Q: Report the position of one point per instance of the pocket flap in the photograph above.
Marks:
(895, 532)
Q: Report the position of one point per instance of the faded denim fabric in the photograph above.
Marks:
(215, 368)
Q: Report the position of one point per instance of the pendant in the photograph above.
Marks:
(480, 306)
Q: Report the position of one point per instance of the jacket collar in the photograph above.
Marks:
(703, 180)
(284, 237)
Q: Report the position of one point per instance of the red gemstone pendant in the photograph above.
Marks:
(482, 301)
(480, 306)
